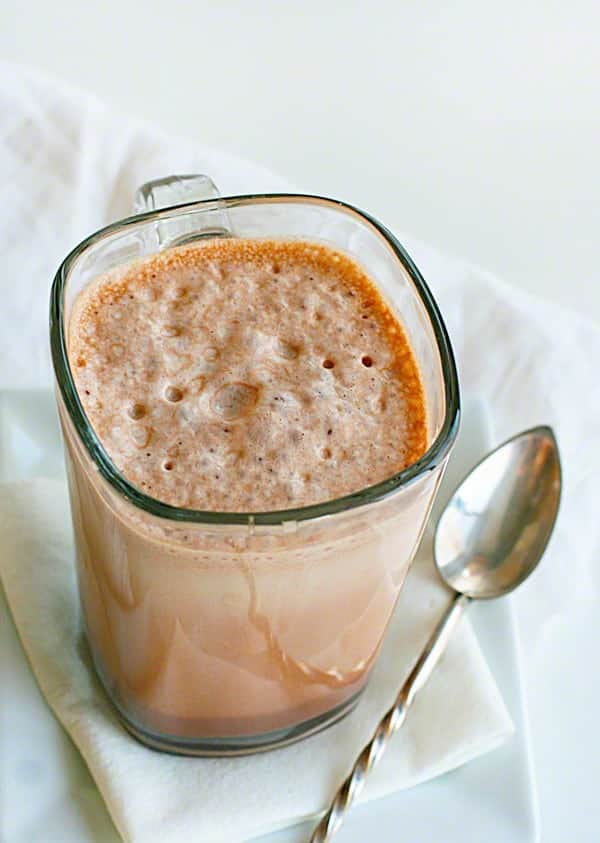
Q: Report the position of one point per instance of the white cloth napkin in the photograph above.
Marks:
(67, 166)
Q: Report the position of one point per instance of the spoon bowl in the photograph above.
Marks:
(495, 528)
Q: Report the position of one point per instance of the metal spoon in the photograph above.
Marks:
(490, 537)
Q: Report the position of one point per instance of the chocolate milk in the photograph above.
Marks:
(241, 376)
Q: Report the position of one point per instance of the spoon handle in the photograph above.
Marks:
(391, 721)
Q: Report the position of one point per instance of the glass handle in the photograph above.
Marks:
(185, 225)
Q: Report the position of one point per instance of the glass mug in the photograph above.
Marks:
(219, 633)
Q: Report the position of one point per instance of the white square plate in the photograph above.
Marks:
(48, 795)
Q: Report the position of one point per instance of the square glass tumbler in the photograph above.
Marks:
(220, 633)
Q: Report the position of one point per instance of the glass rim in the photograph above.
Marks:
(429, 461)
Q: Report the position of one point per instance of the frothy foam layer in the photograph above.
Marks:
(247, 375)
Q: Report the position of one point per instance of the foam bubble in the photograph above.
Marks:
(234, 400)
(173, 394)
(286, 350)
(136, 411)
(141, 436)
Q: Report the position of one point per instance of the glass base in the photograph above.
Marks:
(243, 745)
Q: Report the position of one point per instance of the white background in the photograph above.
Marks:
(474, 126)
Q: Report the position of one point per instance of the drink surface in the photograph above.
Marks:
(247, 375)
